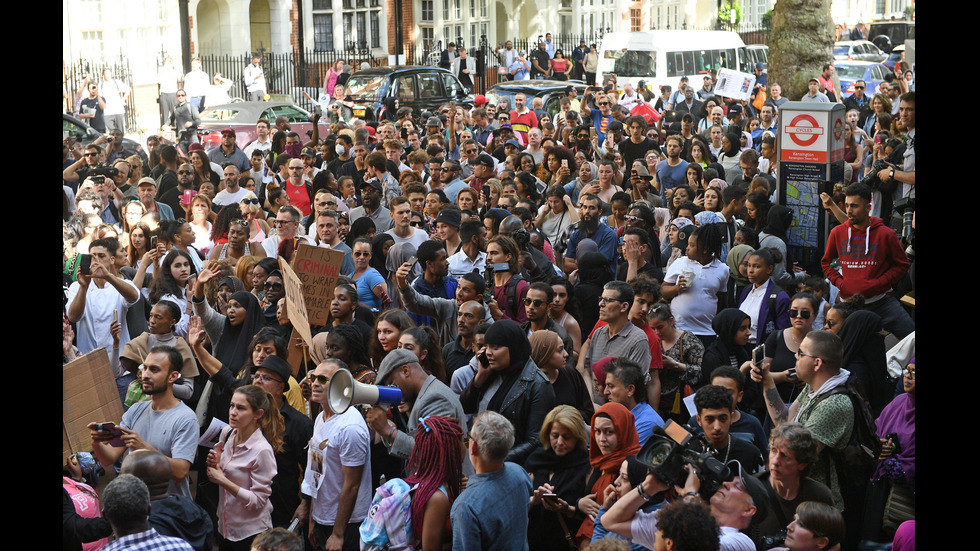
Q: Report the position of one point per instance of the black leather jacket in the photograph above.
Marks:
(526, 404)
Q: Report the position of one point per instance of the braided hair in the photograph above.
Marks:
(355, 342)
(437, 459)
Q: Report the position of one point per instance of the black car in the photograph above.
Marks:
(84, 134)
(551, 91)
(888, 34)
(374, 92)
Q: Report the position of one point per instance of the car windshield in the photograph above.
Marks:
(632, 63)
(841, 50)
(365, 87)
(850, 71)
(219, 114)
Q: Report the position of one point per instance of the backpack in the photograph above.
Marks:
(512, 292)
(856, 462)
(388, 525)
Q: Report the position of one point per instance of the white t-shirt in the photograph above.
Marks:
(224, 197)
(417, 238)
(694, 308)
(112, 91)
(644, 529)
(341, 441)
(93, 329)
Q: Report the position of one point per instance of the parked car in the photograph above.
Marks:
(858, 50)
(81, 132)
(375, 91)
(894, 57)
(850, 72)
(242, 116)
(888, 34)
(551, 91)
(757, 53)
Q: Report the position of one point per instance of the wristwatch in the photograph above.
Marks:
(891, 174)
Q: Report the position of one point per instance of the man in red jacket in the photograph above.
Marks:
(871, 260)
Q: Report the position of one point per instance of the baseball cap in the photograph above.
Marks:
(513, 142)
(449, 216)
(755, 488)
(433, 121)
(759, 66)
(146, 180)
(308, 152)
(228, 130)
(813, 79)
(195, 147)
(733, 110)
(484, 160)
(480, 99)
(373, 182)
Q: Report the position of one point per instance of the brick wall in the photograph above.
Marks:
(408, 17)
(294, 20)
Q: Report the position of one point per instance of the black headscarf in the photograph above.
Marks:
(233, 282)
(378, 253)
(359, 228)
(594, 268)
(725, 324)
(232, 348)
(734, 140)
(508, 333)
(864, 356)
(778, 222)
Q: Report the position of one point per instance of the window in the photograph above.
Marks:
(457, 10)
(428, 37)
(483, 8)
(92, 10)
(322, 5)
(375, 30)
(428, 10)
(474, 38)
(361, 27)
(635, 19)
(445, 10)
(429, 85)
(93, 46)
(472, 8)
(453, 87)
(405, 88)
(323, 32)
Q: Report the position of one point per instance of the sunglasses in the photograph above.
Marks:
(362, 254)
(322, 379)
(181, 95)
(239, 222)
(603, 103)
(416, 224)
(91, 154)
(185, 172)
(272, 286)
(536, 302)
(794, 313)
(251, 200)
(859, 87)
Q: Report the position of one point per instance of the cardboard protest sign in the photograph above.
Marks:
(295, 302)
(318, 268)
(733, 84)
(88, 395)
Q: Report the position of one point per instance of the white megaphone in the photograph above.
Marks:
(344, 392)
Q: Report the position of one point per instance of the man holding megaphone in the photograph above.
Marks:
(426, 395)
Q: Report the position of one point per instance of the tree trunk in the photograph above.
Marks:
(800, 45)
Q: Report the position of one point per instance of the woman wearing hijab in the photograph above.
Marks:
(733, 328)
(380, 246)
(398, 254)
(676, 243)
(560, 467)
(588, 174)
(514, 385)
(728, 159)
(864, 357)
(362, 227)
(893, 483)
(549, 354)
(738, 278)
(613, 437)
(773, 235)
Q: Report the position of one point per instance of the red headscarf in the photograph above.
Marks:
(627, 443)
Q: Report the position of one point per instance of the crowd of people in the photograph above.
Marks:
(548, 292)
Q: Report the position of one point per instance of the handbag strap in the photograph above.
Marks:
(564, 528)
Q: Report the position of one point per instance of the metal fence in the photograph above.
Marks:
(288, 73)
(73, 81)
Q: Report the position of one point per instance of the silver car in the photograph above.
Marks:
(858, 50)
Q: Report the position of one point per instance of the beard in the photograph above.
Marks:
(590, 225)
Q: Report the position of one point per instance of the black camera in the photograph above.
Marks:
(776, 540)
(872, 180)
(670, 447)
(98, 170)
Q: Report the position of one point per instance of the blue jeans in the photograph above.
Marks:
(122, 385)
(197, 101)
(894, 318)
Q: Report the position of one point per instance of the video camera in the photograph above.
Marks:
(670, 447)
(894, 159)
(98, 173)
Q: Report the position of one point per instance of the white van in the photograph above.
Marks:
(663, 57)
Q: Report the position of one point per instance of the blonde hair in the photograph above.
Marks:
(245, 264)
(568, 417)
(253, 208)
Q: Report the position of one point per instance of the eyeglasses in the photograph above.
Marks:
(185, 172)
(800, 354)
(909, 372)
(272, 286)
(633, 219)
(251, 200)
(282, 222)
(181, 95)
(536, 302)
(295, 168)
(323, 203)
(794, 313)
(239, 222)
(471, 150)
(604, 301)
(361, 254)
(322, 379)
(265, 378)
